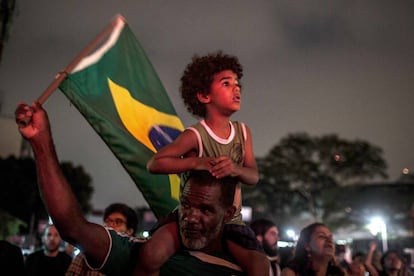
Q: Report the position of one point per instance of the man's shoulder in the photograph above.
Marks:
(34, 256)
(64, 256)
(36, 253)
(9, 248)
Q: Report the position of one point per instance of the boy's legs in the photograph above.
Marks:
(157, 250)
(253, 262)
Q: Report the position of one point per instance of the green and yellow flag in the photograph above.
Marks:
(119, 93)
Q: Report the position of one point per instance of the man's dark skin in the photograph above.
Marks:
(56, 192)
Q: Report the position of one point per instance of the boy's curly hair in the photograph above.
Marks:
(198, 76)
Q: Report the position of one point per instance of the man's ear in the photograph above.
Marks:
(203, 98)
(259, 238)
(229, 214)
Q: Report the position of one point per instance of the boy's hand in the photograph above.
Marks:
(223, 166)
(204, 163)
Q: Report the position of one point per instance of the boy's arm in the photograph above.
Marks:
(248, 173)
(170, 159)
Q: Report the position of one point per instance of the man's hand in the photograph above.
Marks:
(32, 120)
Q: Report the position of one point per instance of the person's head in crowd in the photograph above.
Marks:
(206, 204)
(315, 239)
(315, 249)
(392, 261)
(340, 251)
(267, 234)
(357, 266)
(121, 218)
(51, 240)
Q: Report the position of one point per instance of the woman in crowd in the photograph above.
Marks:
(314, 254)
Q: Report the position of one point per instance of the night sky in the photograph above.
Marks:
(321, 67)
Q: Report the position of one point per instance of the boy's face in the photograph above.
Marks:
(225, 92)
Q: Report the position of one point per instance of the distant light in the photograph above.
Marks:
(290, 233)
(285, 244)
(376, 225)
(76, 251)
(405, 171)
(145, 234)
(342, 242)
(337, 157)
(247, 213)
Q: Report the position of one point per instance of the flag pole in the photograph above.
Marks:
(92, 45)
(63, 74)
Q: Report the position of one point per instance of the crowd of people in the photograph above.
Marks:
(314, 253)
(205, 234)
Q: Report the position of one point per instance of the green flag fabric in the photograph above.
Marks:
(121, 96)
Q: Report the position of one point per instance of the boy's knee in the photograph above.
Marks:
(150, 258)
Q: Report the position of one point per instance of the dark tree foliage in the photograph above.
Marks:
(81, 185)
(299, 170)
(20, 195)
(7, 8)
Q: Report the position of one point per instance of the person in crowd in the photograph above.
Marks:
(11, 259)
(118, 216)
(393, 264)
(314, 254)
(69, 249)
(210, 89)
(285, 255)
(340, 255)
(267, 234)
(49, 260)
(205, 206)
(357, 265)
(368, 262)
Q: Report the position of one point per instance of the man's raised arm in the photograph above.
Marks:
(56, 192)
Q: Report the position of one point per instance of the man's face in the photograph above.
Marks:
(51, 239)
(202, 217)
(270, 240)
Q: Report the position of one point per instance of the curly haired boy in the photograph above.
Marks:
(211, 90)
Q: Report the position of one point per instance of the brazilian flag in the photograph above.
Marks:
(119, 93)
